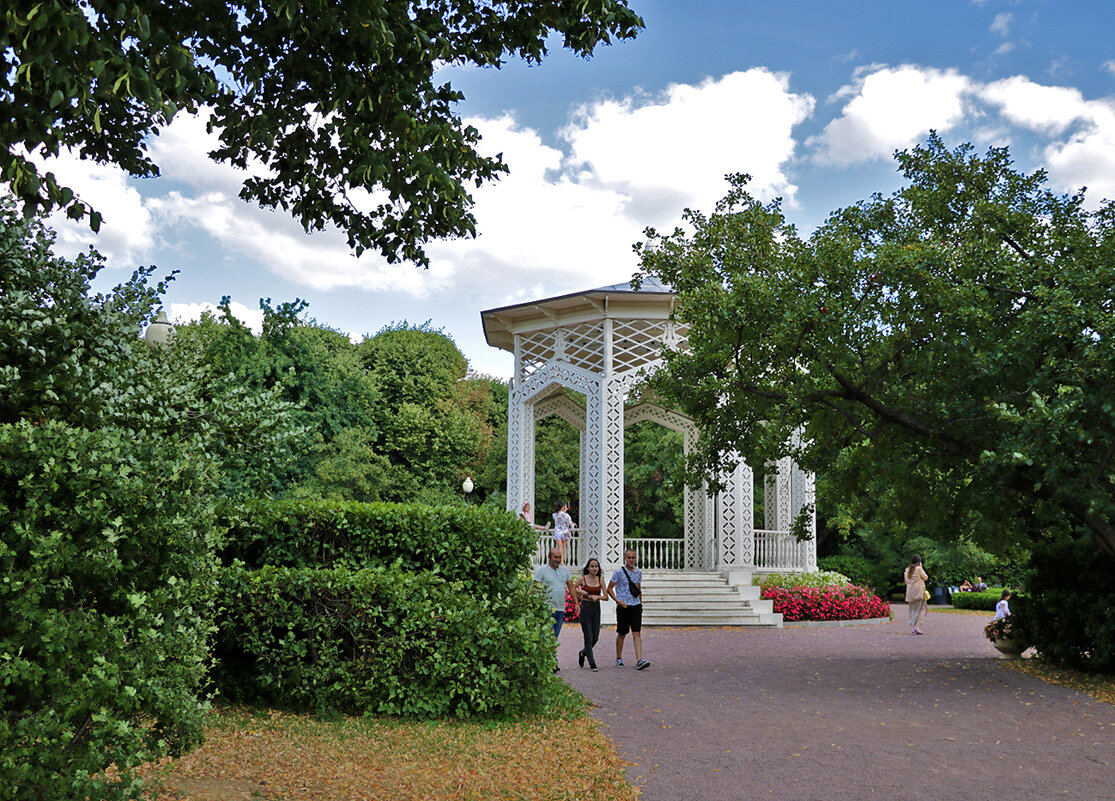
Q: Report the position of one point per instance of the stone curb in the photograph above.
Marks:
(826, 624)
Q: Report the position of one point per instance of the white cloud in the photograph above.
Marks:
(674, 149)
(1001, 24)
(560, 218)
(127, 231)
(1004, 48)
(1082, 150)
(1048, 109)
(186, 312)
(1109, 66)
(891, 108)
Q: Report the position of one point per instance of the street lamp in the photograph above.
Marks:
(467, 486)
(159, 331)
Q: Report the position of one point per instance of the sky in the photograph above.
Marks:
(809, 97)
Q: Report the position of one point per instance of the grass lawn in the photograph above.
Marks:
(560, 755)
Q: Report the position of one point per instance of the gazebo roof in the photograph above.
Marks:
(653, 300)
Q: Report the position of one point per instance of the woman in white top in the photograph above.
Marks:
(563, 528)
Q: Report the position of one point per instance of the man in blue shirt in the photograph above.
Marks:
(555, 577)
(626, 590)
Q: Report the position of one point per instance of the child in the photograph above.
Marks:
(1002, 609)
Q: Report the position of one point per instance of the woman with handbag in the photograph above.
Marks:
(916, 594)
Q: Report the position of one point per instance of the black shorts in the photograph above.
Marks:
(629, 618)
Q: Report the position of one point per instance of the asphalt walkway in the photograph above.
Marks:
(836, 714)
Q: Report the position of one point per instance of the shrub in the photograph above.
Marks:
(860, 571)
(106, 571)
(984, 601)
(790, 580)
(477, 544)
(1066, 612)
(382, 640)
(826, 603)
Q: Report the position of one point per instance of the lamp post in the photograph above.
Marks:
(467, 486)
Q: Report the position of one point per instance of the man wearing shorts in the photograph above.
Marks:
(629, 608)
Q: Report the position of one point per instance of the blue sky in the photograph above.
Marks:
(811, 98)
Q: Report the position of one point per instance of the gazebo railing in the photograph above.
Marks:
(658, 554)
(777, 550)
(774, 550)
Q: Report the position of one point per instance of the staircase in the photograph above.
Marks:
(674, 598)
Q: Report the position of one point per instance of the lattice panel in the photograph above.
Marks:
(581, 346)
(736, 523)
(638, 344)
(564, 407)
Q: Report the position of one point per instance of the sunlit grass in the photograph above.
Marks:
(558, 755)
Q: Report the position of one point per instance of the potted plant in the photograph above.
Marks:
(1001, 634)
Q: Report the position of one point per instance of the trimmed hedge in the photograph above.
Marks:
(382, 641)
(860, 571)
(477, 544)
(984, 601)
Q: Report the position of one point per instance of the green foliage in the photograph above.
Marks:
(383, 641)
(654, 484)
(100, 78)
(106, 571)
(822, 578)
(110, 467)
(861, 572)
(984, 601)
(952, 342)
(1066, 612)
(477, 544)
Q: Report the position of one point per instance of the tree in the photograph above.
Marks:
(111, 463)
(954, 341)
(331, 104)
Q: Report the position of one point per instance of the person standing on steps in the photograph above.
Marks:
(625, 588)
(563, 528)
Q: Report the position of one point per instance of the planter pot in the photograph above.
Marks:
(1010, 648)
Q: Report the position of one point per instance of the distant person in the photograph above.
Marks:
(626, 590)
(555, 577)
(563, 528)
(591, 589)
(966, 586)
(527, 516)
(916, 595)
(980, 586)
(1002, 609)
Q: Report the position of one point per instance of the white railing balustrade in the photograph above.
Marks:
(658, 554)
(774, 550)
(574, 549)
(777, 550)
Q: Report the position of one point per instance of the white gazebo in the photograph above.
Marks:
(601, 343)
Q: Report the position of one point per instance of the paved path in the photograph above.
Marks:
(837, 714)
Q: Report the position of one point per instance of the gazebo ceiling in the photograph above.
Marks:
(652, 301)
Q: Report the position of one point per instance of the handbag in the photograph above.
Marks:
(631, 585)
(927, 595)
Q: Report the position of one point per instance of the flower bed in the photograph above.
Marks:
(826, 603)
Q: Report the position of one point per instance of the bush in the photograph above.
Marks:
(791, 580)
(826, 603)
(106, 571)
(1066, 612)
(476, 544)
(860, 571)
(383, 641)
(984, 601)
